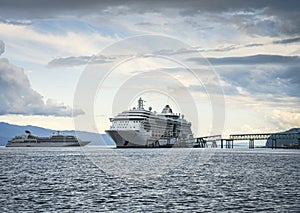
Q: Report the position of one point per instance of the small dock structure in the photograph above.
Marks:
(202, 142)
(264, 136)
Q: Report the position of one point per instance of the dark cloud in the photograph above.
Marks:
(148, 5)
(260, 81)
(252, 60)
(291, 79)
(16, 22)
(272, 77)
(222, 49)
(267, 18)
(287, 41)
(199, 49)
(147, 24)
(256, 17)
(254, 45)
(2, 47)
(79, 60)
(183, 51)
(175, 51)
(30, 9)
(17, 96)
(42, 8)
(232, 5)
(69, 61)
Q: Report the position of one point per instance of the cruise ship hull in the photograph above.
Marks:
(135, 139)
(46, 144)
(141, 128)
(128, 139)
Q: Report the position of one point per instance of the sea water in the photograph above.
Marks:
(125, 180)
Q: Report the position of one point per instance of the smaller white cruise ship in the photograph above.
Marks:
(55, 140)
(141, 128)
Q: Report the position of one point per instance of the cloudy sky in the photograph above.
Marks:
(249, 49)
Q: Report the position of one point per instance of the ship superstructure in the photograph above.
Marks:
(139, 127)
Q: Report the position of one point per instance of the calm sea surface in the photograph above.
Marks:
(100, 180)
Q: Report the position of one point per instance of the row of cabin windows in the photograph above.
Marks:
(120, 126)
(128, 122)
(163, 133)
(123, 125)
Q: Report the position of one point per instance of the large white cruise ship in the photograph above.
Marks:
(138, 128)
(55, 140)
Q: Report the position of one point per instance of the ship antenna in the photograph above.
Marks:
(141, 103)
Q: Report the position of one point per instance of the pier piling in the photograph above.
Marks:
(229, 143)
(251, 144)
(274, 143)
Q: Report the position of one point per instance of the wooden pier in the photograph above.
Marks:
(201, 142)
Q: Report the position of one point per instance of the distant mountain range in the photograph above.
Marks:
(8, 131)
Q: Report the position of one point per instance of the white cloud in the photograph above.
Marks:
(285, 119)
(38, 47)
(17, 96)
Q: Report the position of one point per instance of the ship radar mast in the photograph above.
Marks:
(141, 103)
